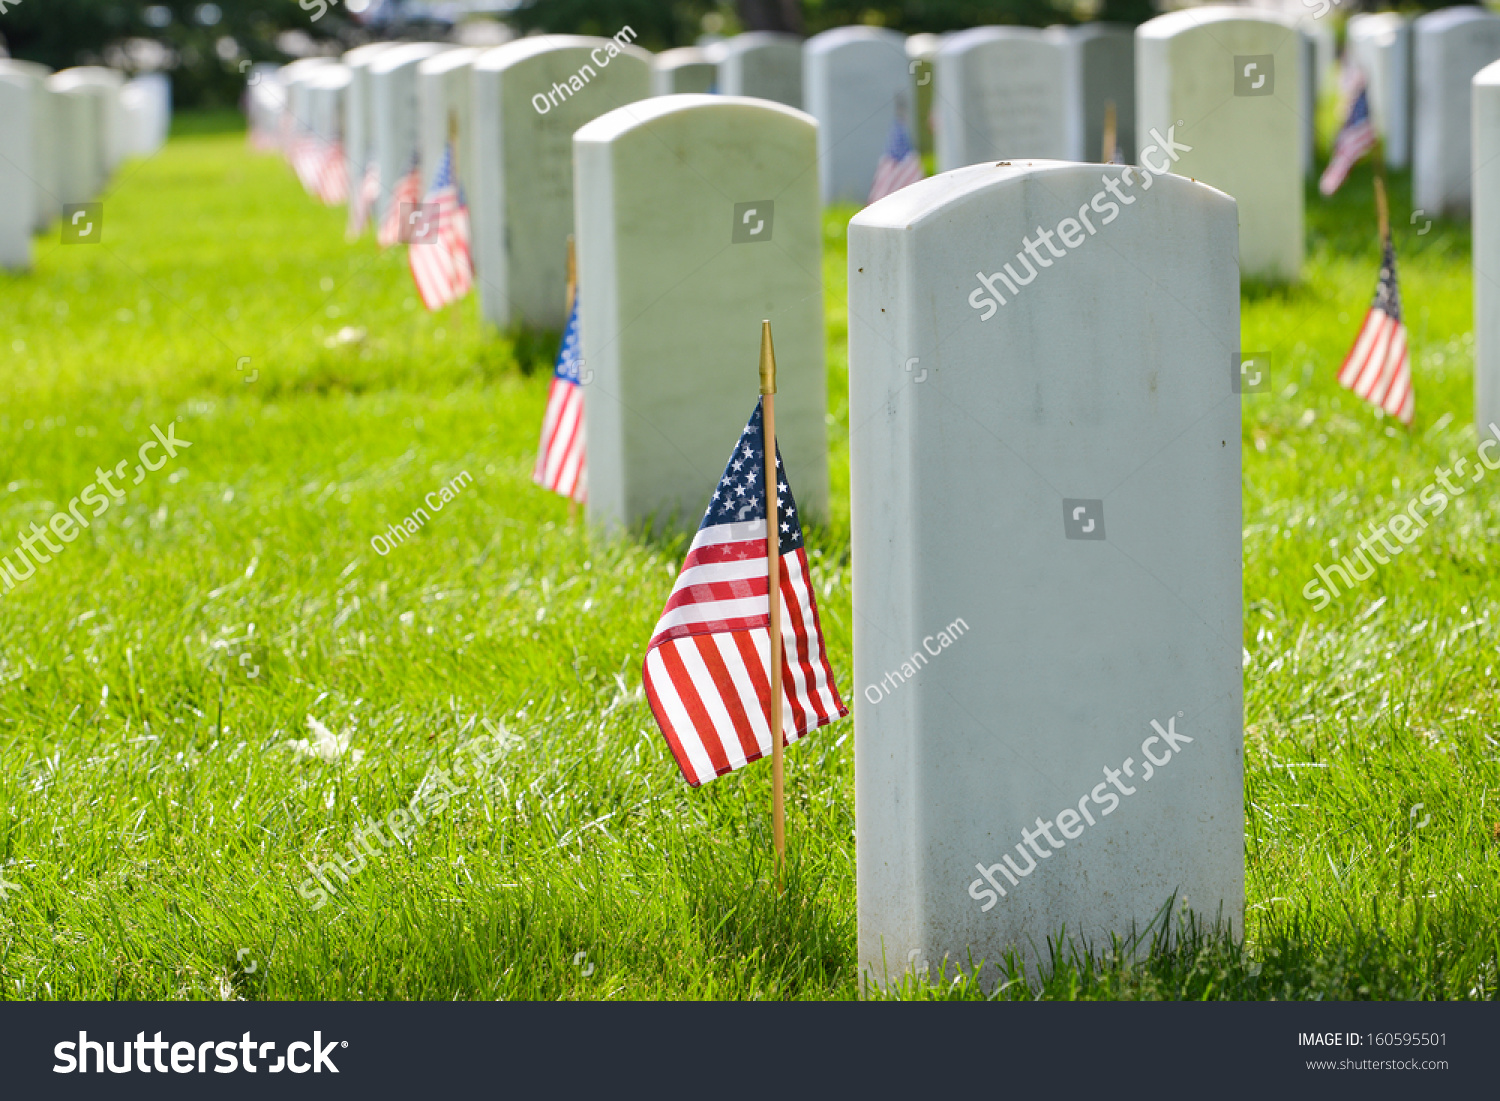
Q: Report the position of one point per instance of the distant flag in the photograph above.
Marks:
(407, 192)
(707, 662)
(1355, 138)
(1112, 152)
(560, 463)
(1378, 367)
(898, 166)
(332, 182)
(362, 202)
(303, 157)
(442, 267)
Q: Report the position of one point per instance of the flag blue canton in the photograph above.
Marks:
(568, 359)
(1360, 112)
(741, 496)
(898, 145)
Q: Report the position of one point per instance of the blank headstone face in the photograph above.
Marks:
(1486, 91)
(296, 114)
(921, 54)
(1002, 94)
(1045, 504)
(1101, 71)
(44, 138)
(326, 91)
(1380, 45)
(78, 112)
(856, 82)
(17, 170)
(358, 122)
(698, 216)
(151, 93)
(107, 83)
(1230, 81)
(1449, 48)
(687, 69)
(763, 64)
(529, 98)
(443, 93)
(393, 114)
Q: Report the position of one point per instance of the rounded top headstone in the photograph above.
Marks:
(500, 58)
(449, 60)
(1489, 76)
(330, 76)
(1179, 22)
(405, 55)
(682, 55)
(609, 126)
(845, 36)
(1446, 20)
(923, 47)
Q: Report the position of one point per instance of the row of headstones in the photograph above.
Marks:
(63, 135)
(1418, 74)
(1078, 773)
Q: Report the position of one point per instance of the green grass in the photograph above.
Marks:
(157, 826)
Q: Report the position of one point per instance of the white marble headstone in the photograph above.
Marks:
(1100, 71)
(763, 64)
(1486, 89)
(1449, 47)
(529, 97)
(681, 254)
(1046, 533)
(151, 105)
(43, 155)
(327, 90)
(687, 69)
(1002, 94)
(393, 114)
(359, 144)
(1379, 43)
(1229, 80)
(856, 82)
(296, 114)
(107, 85)
(443, 90)
(18, 216)
(78, 111)
(921, 54)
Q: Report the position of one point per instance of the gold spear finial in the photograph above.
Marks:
(767, 360)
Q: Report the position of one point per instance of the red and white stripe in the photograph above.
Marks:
(443, 269)
(560, 459)
(332, 181)
(363, 202)
(892, 175)
(706, 666)
(1378, 367)
(407, 192)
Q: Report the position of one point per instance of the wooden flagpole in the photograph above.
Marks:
(568, 313)
(773, 595)
(1111, 131)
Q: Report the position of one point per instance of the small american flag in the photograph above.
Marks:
(560, 460)
(1354, 140)
(363, 201)
(441, 265)
(302, 154)
(332, 183)
(898, 166)
(1378, 367)
(706, 666)
(407, 192)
